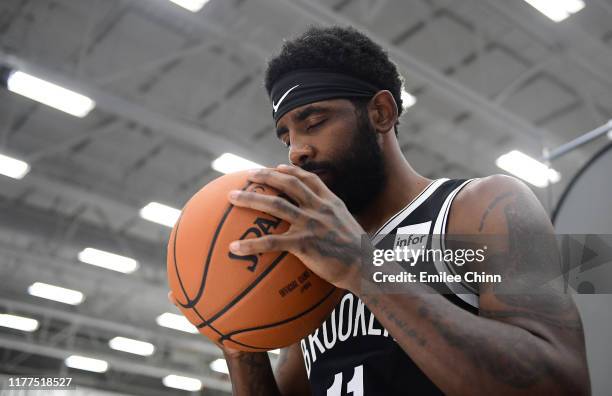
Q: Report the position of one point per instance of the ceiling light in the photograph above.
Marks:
(56, 293)
(220, 366)
(228, 163)
(275, 351)
(557, 10)
(408, 100)
(108, 260)
(130, 345)
(18, 322)
(50, 94)
(176, 322)
(180, 382)
(527, 168)
(160, 214)
(191, 5)
(86, 363)
(12, 167)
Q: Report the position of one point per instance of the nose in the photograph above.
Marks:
(298, 155)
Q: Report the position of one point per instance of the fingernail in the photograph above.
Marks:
(234, 194)
(234, 246)
(283, 166)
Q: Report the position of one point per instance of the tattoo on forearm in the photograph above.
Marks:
(373, 302)
(572, 324)
(256, 374)
(517, 363)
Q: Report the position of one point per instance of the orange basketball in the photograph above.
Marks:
(251, 302)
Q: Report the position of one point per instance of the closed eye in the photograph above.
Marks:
(285, 140)
(315, 125)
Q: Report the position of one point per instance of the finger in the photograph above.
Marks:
(291, 185)
(274, 205)
(310, 179)
(268, 243)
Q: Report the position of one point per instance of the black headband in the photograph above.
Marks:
(312, 85)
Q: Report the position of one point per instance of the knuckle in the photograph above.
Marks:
(314, 223)
(269, 243)
(294, 182)
(326, 209)
(262, 173)
(338, 203)
(279, 203)
(310, 176)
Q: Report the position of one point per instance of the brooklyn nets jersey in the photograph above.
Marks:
(351, 353)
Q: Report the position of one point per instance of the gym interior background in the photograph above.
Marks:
(173, 88)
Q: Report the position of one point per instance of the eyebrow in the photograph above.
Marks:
(301, 116)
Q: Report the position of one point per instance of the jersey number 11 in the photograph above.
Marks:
(354, 386)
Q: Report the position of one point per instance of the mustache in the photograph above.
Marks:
(317, 166)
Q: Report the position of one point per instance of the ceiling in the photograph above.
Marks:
(176, 89)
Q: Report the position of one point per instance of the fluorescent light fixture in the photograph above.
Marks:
(160, 214)
(228, 163)
(50, 94)
(557, 10)
(130, 345)
(220, 366)
(86, 363)
(191, 5)
(180, 382)
(56, 293)
(18, 322)
(108, 260)
(527, 168)
(176, 322)
(12, 167)
(408, 100)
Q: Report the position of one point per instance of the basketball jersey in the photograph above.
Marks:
(351, 353)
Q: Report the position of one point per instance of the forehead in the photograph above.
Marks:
(330, 104)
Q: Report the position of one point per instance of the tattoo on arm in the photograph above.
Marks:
(491, 206)
(373, 302)
(529, 264)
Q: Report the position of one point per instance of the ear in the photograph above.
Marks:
(382, 111)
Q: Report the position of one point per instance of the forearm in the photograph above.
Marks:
(460, 351)
(251, 374)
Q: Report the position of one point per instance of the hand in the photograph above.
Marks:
(323, 234)
(233, 353)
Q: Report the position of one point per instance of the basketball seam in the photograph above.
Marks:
(191, 303)
(244, 292)
(228, 336)
(178, 275)
(290, 319)
(204, 320)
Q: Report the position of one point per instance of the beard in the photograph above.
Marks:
(357, 174)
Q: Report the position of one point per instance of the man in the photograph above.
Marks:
(336, 100)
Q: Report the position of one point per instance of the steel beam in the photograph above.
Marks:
(195, 343)
(115, 363)
(207, 141)
(464, 96)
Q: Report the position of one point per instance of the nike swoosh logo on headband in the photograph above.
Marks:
(275, 106)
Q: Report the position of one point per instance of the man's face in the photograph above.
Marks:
(337, 142)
